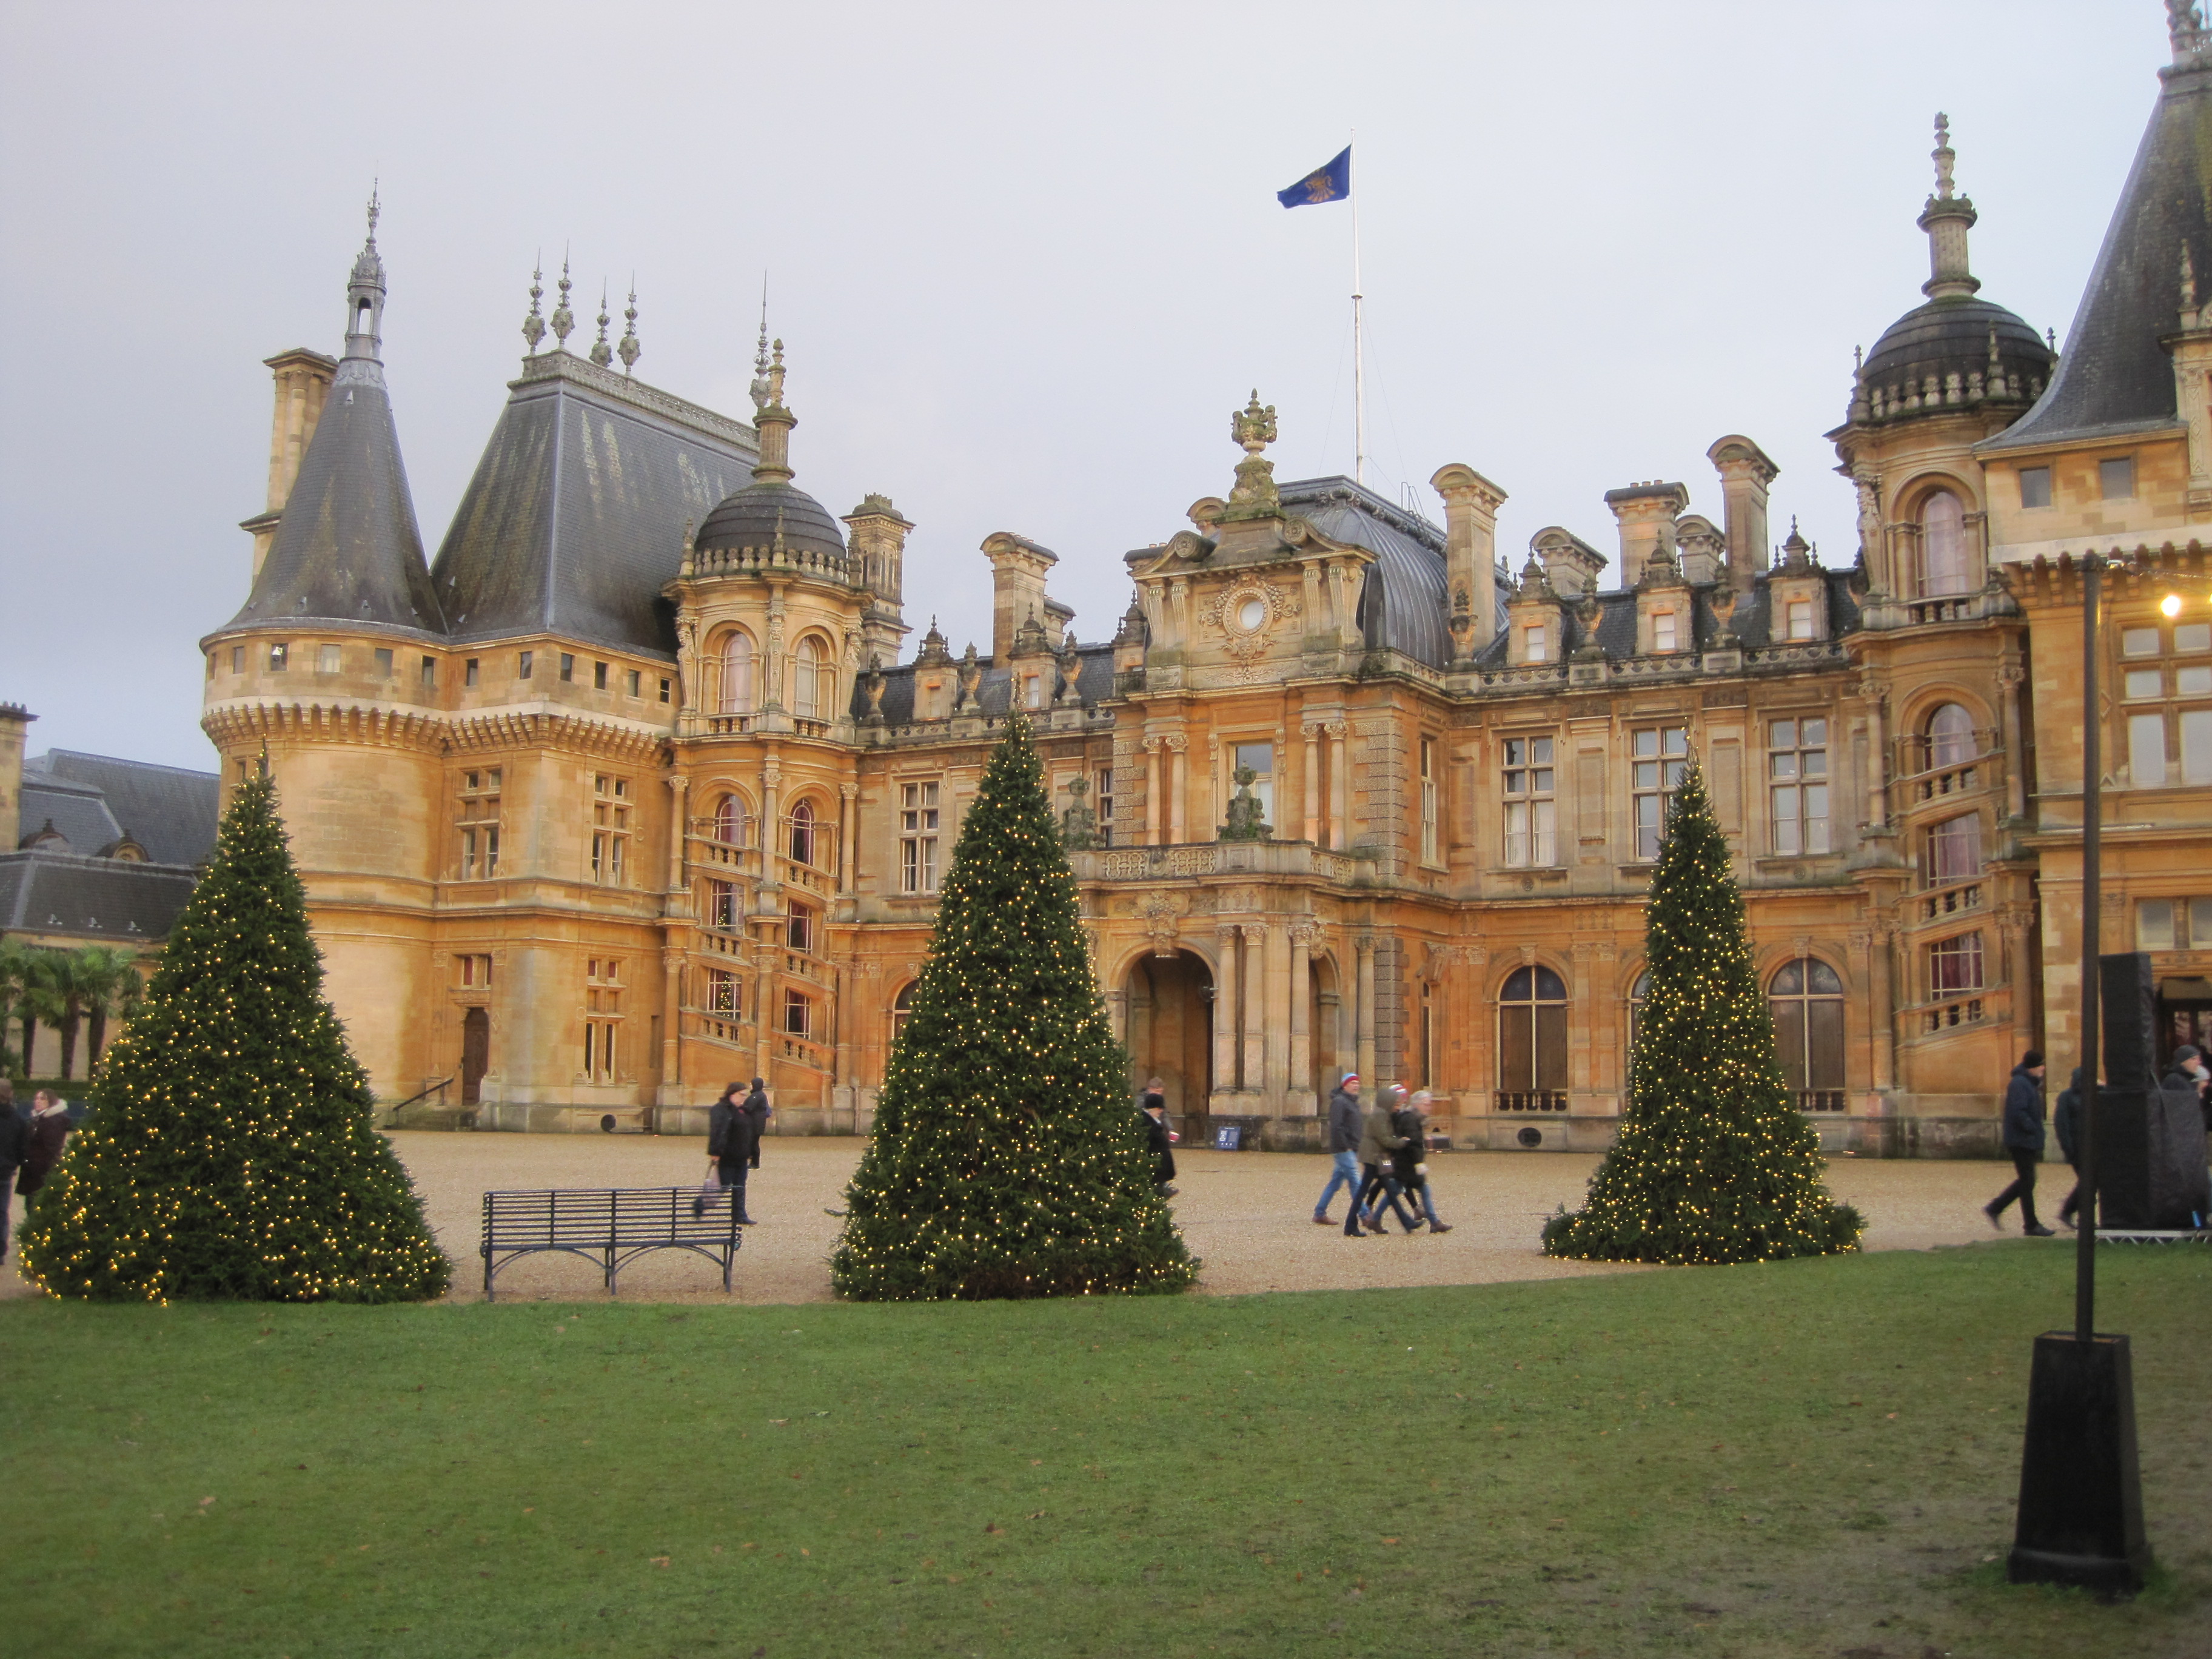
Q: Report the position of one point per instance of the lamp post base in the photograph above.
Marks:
(2080, 1492)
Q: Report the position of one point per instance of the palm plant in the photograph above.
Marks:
(33, 977)
(106, 981)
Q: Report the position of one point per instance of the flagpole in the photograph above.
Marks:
(1358, 351)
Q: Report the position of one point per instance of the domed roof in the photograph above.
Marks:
(1951, 334)
(750, 518)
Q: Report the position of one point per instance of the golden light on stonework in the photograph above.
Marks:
(2171, 604)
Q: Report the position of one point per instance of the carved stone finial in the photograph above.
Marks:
(629, 350)
(761, 394)
(1944, 157)
(775, 377)
(2185, 28)
(533, 325)
(374, 212)
(1253, 428)
(1079, 823)
(602, 353)
(1247, 817)
(565, 320)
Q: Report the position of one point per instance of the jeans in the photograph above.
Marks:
(1381, 1186)
(1345, 1175)
(2024, 1160)
(1420, 1188)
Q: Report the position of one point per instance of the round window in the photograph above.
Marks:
(1251, 614)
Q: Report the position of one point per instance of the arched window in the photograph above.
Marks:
(731, 827)
(1943, 562)
(1950, 731)
(809, 680)
(901, 1005)
(738, 673)
(1532, 1042)
(802, 832)
(1806, 998)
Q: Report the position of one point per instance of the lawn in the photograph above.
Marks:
(1811, 1459)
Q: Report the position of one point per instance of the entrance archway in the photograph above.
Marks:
(475, 1053)
(1170, 1003)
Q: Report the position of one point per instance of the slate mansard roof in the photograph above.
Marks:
(994, 696)
(2114, 377)
(169, 811)
(46, 892)
(1608, 619)
(575, 518)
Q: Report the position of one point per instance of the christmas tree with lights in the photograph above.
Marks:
(229, 1152)
(1007, 1159)
(1714, 1163)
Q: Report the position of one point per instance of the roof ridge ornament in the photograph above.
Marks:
(602, 353)
(629, 350)
(2185, 30)
(1254, 497)
(1947, 218)
(565, 320)
(533, 325)
(761, 395)
(1943, 155)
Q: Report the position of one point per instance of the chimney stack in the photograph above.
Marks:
(1745, 473)
(1470, 504)
(876, 533)
(303, 380)
(1647, 512)
(14, 720)
(1018, 566)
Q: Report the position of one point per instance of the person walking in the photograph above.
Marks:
(1344, 1127)
(2190, 1072)
(15, 1146)
(1411, 1159)
(2023, 1140)
(1378, 1138)
(1159, 1140)
(731, 1148)
(757, 1113)
(2066, 1119)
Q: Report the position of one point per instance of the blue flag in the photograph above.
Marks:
(1330, 184)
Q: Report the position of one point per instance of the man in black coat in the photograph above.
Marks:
(1159, 1140)
(2066, 1119)
(2189, 1073)
(15, 1143)
(2023, 1141)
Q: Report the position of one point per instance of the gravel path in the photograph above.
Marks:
(1247, 1214)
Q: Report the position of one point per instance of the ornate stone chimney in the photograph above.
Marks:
(1018, 566)
(1744, 471)
(1470, 504)
(14, 720)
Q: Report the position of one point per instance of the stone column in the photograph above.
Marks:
(1364, 1014)
(1313, 782)
(1151, 792)
(1881, 1000)
(1259, 1002)
(1225, 1006)
(1877, 752)
(2008, 682)
(1303, 936)
(671, 1023)
(1339, 790)
(1177, 745)
(679, 788)
(849, 834)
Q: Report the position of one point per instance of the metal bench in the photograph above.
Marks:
(611, 1226)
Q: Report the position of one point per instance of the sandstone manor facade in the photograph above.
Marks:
(638, 786)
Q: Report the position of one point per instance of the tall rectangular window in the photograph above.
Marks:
(599, 677)
(2116, 478)
(1261, 758)
(238, 658)
(798, 928)
(1530, 803)
(2147, 750)
(328, 659)
(1953, 850)
(384, 670)
(2154, 924)
(611, 828)
(666, 684)
(797, 1014)
(524, 662)
(1430, 852)
(2197, 745)
(724, 994)
(1798, 614)
(430, 671)
(1535, 643)
(1659, 761)
(468, 672)
(1664, 634)
(722, 905)
(603, 996)
(2034, 486)
(1797, 774)
(918, 811)
(280, 657)
(477, 816)
(1954, 966)
(633, 682)
(1103, 794)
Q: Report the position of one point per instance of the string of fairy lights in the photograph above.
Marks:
(1007, 1159)
(230, 1153)
(1713, 1163)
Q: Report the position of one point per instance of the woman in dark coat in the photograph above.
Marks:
(1159, 1141)
(2067, 1120)
(733, 1147)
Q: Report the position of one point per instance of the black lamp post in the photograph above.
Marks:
(2080, 1520)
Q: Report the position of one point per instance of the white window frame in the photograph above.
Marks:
(1529, 788)
(919, 821)
(1795, 788)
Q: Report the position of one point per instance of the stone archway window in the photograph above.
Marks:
(1950, 734)
(811, 679)
(731, 827)
(738, 676)
(1806, 998)
(1637, 995)
(902, 1008)
(1532, 1041)
(1945, 567)
(802, 836)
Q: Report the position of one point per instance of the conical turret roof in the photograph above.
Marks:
(2115, 377)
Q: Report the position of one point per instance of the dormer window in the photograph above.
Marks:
(1664, 631)
(1798, 619)
(1535, 643)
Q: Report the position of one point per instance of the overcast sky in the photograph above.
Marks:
(1025, 258)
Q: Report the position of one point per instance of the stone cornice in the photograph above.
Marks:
(431, 732)
(549, 366)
